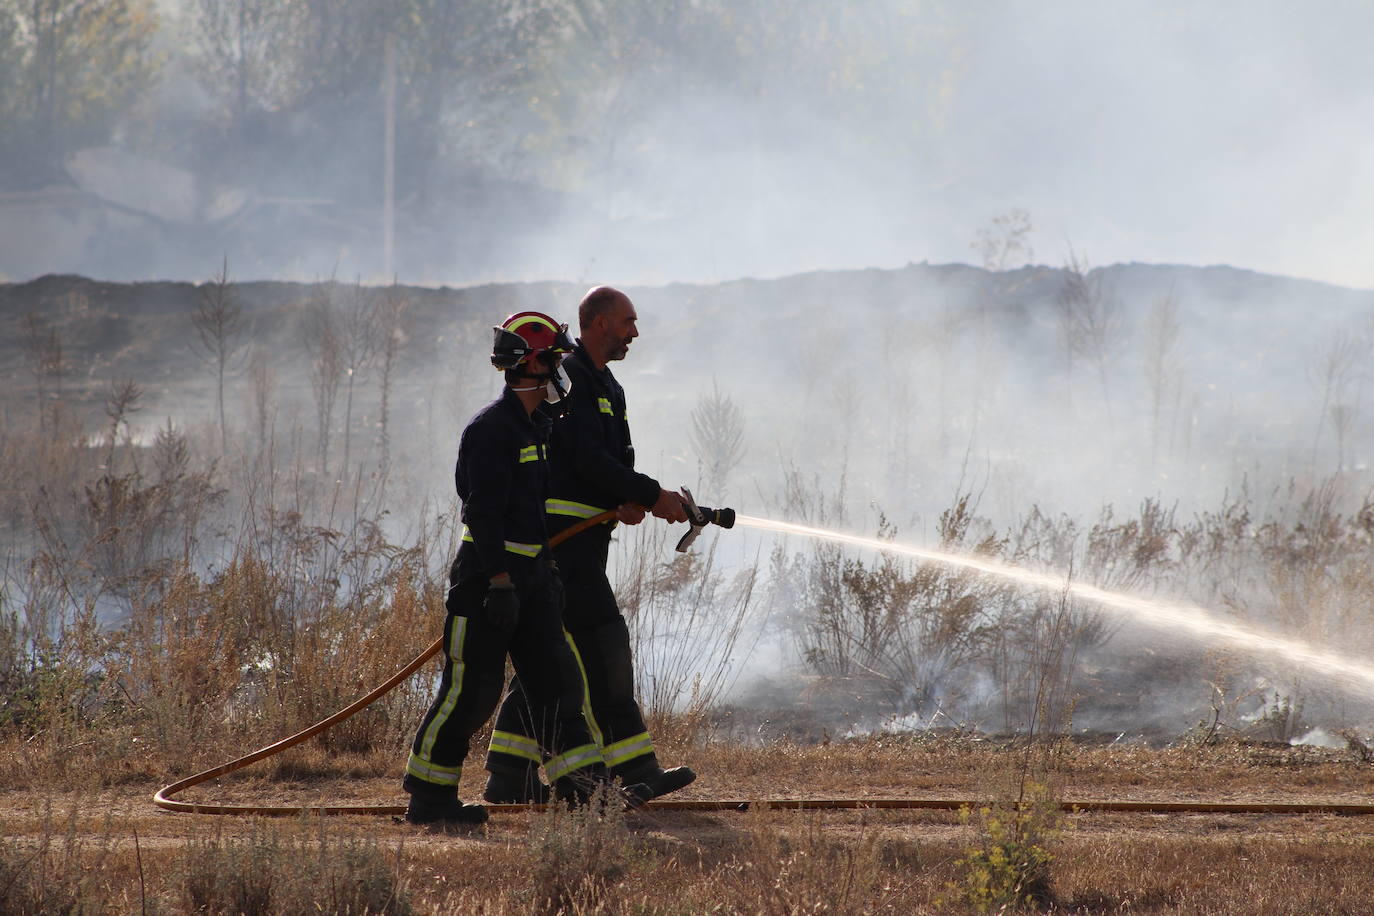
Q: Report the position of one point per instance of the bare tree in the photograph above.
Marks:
(119, 404)
(219, 325)
(358, 346)
(263, 381)
(717, 437)
(1088, 321)
(1006, 238)
(42, 348)
(390, 319)
(1161, 364)
(324, 343)
(1339, 369)
(239, 47)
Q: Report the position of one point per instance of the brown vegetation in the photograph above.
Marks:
(753, 862)
(167, 605)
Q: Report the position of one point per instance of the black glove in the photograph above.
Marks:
(502, 607)
(556, 598)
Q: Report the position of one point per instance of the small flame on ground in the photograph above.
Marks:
(1176, 616)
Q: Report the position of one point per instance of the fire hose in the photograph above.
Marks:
(698, 518)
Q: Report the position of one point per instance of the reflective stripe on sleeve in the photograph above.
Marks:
(518, 547)
(568, 507)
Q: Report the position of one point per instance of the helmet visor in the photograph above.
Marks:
(509, 349)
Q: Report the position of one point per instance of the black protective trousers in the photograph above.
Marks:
(597, 631)
(475, 652)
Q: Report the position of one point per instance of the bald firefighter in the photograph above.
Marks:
(592, 463)
(504, 597)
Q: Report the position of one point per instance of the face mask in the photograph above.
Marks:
(558, 386)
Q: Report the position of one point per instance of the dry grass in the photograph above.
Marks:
(755, 862)
(167, 607)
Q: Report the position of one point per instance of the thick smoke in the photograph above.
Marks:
(813, 140)
(853, 158)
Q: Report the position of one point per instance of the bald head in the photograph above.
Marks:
(606, 318)
(598, 301)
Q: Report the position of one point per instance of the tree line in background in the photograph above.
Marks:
(539, 90)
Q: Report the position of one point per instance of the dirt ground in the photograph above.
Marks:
(692, 861)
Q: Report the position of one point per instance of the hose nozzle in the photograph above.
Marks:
(701, 516)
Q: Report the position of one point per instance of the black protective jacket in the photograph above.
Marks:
(592, 456)
(502, 478)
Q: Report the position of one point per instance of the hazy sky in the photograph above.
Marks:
(1209, 132)
(1200, 133)
(1215, 132)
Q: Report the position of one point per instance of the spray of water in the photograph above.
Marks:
(1176, 617)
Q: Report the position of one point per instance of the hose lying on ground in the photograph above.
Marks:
(163, 797)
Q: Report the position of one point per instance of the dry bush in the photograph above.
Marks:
(267, 873)
(924, 639)
(1008, 868)
(156, 608)
(166, 602)
(779, 873)
(61, 871)
(686, 623)
(577, 857)
(934, 643)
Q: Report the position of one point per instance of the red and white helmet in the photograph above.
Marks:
(526, 337)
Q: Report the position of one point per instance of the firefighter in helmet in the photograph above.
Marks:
(504, 596)
(592, 471)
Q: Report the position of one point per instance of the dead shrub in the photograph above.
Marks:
(60, 871)
(577, 856)
(267, 873)
(807, 873)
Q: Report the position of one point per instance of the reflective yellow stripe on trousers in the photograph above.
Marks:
(568, 761)
(419, 765)
(628, 749)
(516, 745)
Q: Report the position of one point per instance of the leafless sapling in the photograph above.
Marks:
(43, 353)
(1088, 321)
(358, 346)
(218, 319)
(323, 341)
(1006, 239)
(1339, 369)
(119, 404)
(1161, 361)
(391, 308)
(263, 380)
(717, 437)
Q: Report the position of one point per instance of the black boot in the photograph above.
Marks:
(653, 781)
(586, 787)
(511, 787)
(443, 809)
